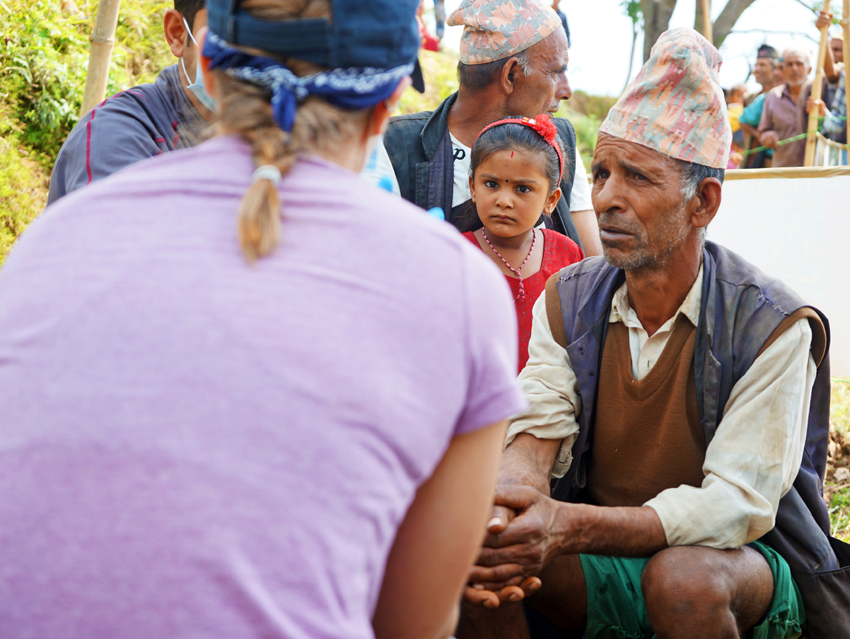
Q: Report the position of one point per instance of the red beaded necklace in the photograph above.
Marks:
(517, 272)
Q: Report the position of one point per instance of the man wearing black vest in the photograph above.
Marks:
(513, 61)
(679, 404)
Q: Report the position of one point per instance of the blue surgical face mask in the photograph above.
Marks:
(197, 87)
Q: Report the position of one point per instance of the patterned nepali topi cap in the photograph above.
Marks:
(675, 104)
(497, 29)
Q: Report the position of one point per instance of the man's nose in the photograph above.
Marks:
(563, 91)
(607, 197)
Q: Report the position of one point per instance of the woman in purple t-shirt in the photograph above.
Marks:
(245, 393)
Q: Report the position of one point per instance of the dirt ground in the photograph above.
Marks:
(837, 466)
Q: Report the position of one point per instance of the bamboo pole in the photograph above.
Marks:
(708, 31)
(845, 22)
(102, 42)
(817, 91)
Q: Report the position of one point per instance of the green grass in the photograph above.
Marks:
(839, 411)
(440, 71)
(838, 494)
(23, 191)
(839, 514)
(44, 49)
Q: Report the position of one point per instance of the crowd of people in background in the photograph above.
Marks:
(767, 123)
(772, 121)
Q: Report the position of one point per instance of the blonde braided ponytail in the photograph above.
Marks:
(245, 110)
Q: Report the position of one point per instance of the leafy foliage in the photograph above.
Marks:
(839, 408)
(633, 10)
(23, 193)
(586, 112)
(839, 514)
(440, 71)
(837, 490)
(44, 51)
(834, 8)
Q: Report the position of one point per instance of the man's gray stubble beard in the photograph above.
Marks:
(643, 257)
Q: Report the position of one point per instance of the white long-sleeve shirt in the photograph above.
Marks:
(750, 463)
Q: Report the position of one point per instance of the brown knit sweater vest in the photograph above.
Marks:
(647, 436)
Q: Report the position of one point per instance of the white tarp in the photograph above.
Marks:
(796, 229)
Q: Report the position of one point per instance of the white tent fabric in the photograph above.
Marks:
(794, 224)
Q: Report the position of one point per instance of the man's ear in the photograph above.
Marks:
(175, 32)
(708, 198)
(510, 75)
(552, 202)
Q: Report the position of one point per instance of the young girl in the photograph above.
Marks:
(515, 172)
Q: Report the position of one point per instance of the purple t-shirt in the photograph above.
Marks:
(191, 446)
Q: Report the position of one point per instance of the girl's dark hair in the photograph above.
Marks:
(512, 137)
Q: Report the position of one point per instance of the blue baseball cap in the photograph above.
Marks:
(379, 34)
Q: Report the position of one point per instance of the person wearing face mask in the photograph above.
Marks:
(145, 121)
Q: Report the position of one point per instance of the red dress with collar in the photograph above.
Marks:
(558, 251)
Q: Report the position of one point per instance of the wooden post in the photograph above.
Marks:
(706, 21)
(102, 42)
(817, 91)
(845, 22)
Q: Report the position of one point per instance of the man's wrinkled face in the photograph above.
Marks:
(837, 47)
(636, 194)
(797, 68)
(763, 71)
(543, 90)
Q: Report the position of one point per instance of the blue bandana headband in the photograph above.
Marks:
(351, 89)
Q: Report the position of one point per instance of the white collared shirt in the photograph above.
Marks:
(646, 350)
(755, 454)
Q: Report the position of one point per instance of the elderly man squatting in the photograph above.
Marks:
(674, 391)
(504, 70)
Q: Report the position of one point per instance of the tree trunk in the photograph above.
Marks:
(102, 43)
(728, 17)
(632, 56)
(656, 15)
